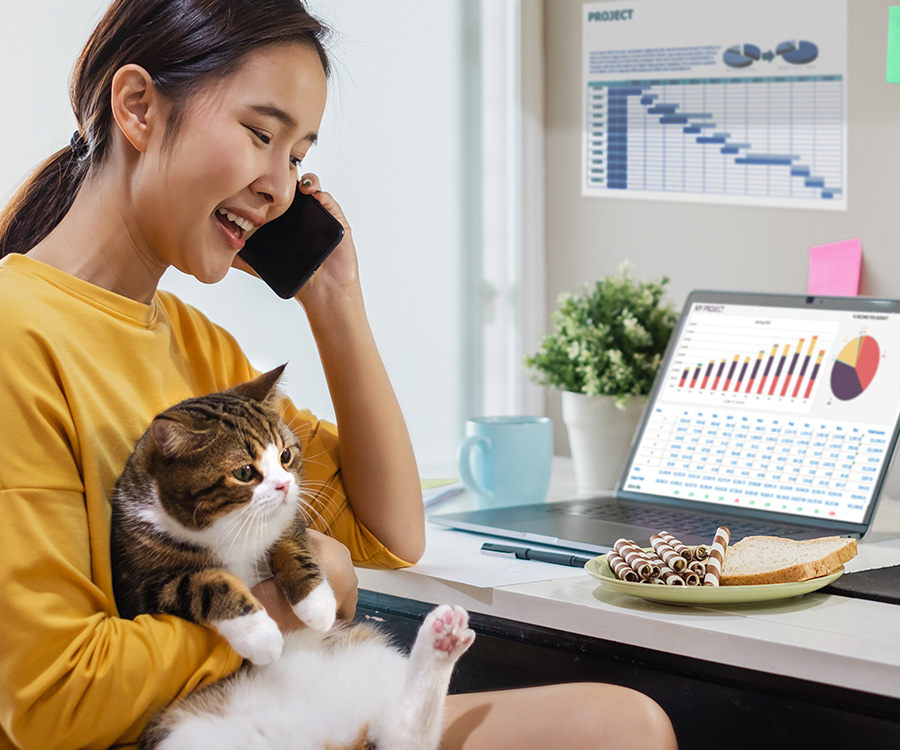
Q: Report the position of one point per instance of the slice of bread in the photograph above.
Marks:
(771, 559)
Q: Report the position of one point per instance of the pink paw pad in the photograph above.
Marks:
(449, 628)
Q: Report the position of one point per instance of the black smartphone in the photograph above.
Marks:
(285, 252)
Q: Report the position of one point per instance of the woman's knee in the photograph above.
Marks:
(624, 718)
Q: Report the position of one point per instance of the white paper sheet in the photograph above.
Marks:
(456, 556)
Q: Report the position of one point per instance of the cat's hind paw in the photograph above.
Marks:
(254, 636)
(317, 609)
(446, 632)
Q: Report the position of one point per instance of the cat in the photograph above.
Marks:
(207, 506)
(348, 689)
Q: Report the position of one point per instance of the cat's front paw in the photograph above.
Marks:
(445, 631)
(255, 636)
(317, 609)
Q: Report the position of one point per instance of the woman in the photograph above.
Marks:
(193, 118)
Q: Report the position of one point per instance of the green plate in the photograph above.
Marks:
(688, 595)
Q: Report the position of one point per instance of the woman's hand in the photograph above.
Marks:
(334, 559)
(340, 269)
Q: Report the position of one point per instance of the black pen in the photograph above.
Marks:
(538, 555)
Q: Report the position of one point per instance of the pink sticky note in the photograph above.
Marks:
(834, 268)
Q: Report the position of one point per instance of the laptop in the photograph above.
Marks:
(770, 414)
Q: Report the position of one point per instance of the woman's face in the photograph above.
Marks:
(233, 163)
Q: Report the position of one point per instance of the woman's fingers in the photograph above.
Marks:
(334, 558)
(311, 185)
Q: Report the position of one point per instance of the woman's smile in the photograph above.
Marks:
(236, 227)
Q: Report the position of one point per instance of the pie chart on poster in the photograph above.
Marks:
(855, 367)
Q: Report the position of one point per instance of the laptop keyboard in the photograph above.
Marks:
(661, 518)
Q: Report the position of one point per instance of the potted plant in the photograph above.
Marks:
(603, 354)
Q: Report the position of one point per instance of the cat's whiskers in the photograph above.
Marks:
(322, 490)
(319, 485)
(247, 538)
(311, 458)
(234, 529)
(311, 511)
(261, 517)
(323, 493)
(304, 423)
(310, 486)
(194, 516)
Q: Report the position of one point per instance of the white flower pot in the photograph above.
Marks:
(599, 438)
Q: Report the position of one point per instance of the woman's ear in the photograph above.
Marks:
(135, 104)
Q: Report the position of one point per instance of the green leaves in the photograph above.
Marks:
(608, 340)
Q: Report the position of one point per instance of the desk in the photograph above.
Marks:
(815, 669)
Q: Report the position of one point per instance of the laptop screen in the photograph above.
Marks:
(774, 403)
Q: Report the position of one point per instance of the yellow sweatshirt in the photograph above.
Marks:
(82, 373)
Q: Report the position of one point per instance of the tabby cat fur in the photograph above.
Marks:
(208, 505)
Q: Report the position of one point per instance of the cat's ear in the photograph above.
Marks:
(174, 439)
(261, 388)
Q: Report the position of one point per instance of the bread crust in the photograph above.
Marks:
(750, 566)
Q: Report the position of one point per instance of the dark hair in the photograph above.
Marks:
(183, 45)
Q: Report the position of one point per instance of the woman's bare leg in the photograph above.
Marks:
(572, 716)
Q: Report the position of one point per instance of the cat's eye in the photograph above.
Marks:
(243, 474)
(286, 456)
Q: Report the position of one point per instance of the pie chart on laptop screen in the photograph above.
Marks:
(855, 367)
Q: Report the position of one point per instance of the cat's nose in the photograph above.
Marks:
(283, 484)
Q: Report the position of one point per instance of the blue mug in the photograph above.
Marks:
(507, 460)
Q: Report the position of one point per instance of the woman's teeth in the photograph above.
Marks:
(244, 224)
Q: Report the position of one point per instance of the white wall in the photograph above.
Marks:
(393, 150)
(39, 42)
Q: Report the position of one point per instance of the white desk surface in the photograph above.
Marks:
(835, 640)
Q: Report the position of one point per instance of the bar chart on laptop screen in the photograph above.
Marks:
(736, 361)
(691, 101)
(774, 409)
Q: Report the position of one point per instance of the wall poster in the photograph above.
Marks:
(706, 101)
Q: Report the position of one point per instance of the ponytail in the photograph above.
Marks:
(40, 204)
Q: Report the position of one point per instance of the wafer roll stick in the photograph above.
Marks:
(667, 553)
(636, 558)
(655, 558)
(691, 578)
(682, 549)
(698, 567)
(666, 574)
(620, 568)
(670, 577)
(701, 552)
(645, 569)
(717, 557)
